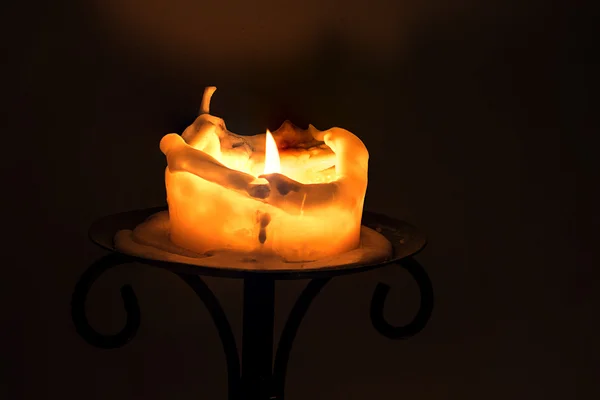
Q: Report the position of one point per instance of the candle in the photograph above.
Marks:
(297, 194)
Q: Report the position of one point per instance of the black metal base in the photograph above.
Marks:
(260, 377)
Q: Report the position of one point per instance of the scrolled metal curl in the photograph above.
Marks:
(112, 341)
(130, 302)
(425, 309)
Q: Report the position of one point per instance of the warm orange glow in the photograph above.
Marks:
(216, 202)
(272, 162)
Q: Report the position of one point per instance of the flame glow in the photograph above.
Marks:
(272, 162)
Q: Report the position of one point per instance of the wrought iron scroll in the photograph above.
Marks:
(425, 309)
(111, 341)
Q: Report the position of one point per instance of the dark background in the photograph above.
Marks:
(478, 119)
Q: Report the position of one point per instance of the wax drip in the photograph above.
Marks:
(264, 221)
(205, 105)
(302, 205)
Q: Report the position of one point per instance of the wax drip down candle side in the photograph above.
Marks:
(295, 195)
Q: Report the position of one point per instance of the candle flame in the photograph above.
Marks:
(272, 162)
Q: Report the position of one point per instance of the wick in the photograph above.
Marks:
(205, 105)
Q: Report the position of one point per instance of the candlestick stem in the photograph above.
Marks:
(257, 341)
